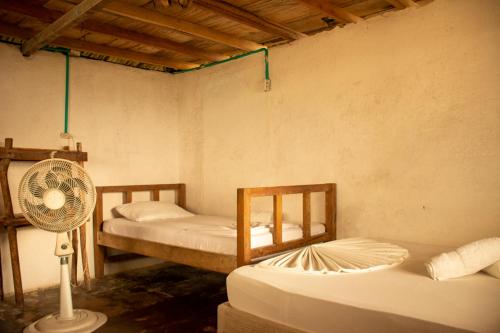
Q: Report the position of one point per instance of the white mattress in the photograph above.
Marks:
(398, 299)
(207, 233)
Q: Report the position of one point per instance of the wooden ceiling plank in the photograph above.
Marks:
(396, 4)
(49, 15)
(80, 45)
(161, 3)
(248, 18)
(408, 3)
(156, 18)
(332, 10)
(53, 30)
(145, 39)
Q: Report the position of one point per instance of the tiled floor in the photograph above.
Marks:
(163, 299)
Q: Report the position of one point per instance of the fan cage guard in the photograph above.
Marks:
(67, 180)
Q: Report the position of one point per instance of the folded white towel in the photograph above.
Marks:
(465, 260)
(493, 270)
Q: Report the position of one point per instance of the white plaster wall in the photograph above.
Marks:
(126, 119)
(402, 111)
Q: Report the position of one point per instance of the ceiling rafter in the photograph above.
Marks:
(332, 10)
(402, 4)
(54, 29)
(156, 18)
(81, 45)
(250, 19)
(408, 3)
(49, 15)
(395, 4)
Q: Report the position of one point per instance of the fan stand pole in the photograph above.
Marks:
(68, 320)
(65, 299)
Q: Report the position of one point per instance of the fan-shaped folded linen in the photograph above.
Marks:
(348, 255)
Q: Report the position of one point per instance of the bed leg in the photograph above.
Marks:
(99, 252)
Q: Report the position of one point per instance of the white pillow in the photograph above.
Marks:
(143, 211)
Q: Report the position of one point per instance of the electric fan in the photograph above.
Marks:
(58, 195)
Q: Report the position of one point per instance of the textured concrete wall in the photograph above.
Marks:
(126, 119)
(402, 111)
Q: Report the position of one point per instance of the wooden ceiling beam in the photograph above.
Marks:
(54, 29)
(145, 39)
(332, 10)
(49, 15)
(156, 18)
(80, 45)
(395, 4)
(408, 3)
(402, 4)
(245, 17)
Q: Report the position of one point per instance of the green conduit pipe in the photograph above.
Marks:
(66, 95)
(64, 51)
(239, 56)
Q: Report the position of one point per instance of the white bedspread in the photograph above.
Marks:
(207, 233)
(399, 299)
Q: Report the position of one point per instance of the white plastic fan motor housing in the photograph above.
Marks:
(54, 198)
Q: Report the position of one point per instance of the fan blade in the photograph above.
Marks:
(81, 184)
(61, 170)
(73, 205)
(70, 197)
(34, 187)
(32, 178)
(66, 187)
(51, 180)
(42, 209)
(36, 190)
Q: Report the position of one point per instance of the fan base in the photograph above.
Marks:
(84, 321)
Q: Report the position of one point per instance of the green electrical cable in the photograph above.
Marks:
(64, 51)
(266, 62)
(66, 97)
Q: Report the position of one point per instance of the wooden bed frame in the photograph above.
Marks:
(214, 261)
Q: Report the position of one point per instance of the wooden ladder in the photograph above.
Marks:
(11, 222)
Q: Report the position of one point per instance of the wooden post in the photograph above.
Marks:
(243, 228)
(331, 211)
(277, 219)
(4, 166)
(127, 198)
(306, 215)
(74, 242)
(11, 230)
(181, 196)
(16, 267)
(83, 241)
(98, 250)
(1, 276)
(156, 195)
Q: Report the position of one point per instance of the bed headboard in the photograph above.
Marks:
(127, 190)
(245, 195)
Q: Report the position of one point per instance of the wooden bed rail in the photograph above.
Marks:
(245, 253)
(127, 190)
